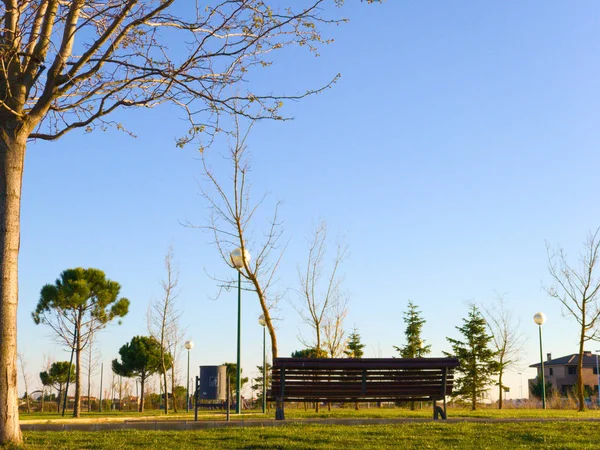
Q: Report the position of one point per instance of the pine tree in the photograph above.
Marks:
(536, 388)
(257, 383)
(354, 347)
(478, 363)
(309, 353)
(414, 347)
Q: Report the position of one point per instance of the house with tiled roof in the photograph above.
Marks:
(562, 372)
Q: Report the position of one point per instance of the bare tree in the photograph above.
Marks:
(321, 299)
(90, 364)
(113, 386)
(66, 65)
(233, 225)
(323, 306)
(25, 376)
(576, 287)
(163, 319)
(507, 339)
(126, 388)
(47, 363)
(333, 328)
(174, 339)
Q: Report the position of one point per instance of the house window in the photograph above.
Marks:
(572, 370)
(595, 371)
(551, 371)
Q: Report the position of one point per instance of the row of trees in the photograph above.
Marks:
(488, 347)
(492, 342)
(85, 300)
(82, 302)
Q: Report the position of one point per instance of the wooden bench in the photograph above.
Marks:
(364, 380)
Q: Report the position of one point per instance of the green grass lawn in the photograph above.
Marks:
(463, 435)
(348, 412)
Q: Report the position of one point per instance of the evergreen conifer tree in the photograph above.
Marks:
(414, 347)
(257, 383)
(354, 347)
(478, 364)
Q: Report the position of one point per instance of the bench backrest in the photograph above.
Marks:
(367, 379)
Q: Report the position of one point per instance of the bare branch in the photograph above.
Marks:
(507, 340)
(577, 288)
(321, 303)
(232, 221)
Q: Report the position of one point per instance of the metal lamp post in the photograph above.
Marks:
(539, 319)
(263, 323)
(188, 345)
(239, 258)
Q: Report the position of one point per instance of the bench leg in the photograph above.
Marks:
(279, 410)
(438, 411)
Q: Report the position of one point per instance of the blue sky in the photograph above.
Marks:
(459, 138)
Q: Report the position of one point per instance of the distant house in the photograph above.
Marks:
(562, 372)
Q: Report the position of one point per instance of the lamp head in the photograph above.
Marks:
(262, 321)
(237, 259)
(189, 345)
(539, 318)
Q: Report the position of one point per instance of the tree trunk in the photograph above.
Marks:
(265, 309)
(89, 387)
(141, 399)
(26, 393)
(165, 384)
(580, 393)
(474, 394)
(58, 399)
(77, 400)
(12, 156)
(500, 390)
(173, 388)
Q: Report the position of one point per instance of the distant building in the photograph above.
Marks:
(562, 372)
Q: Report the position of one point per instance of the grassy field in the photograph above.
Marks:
(299, 413)
(550, 431)
(462, 435)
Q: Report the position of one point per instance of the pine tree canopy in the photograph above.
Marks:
(354, 347)
(478, 364)
(415, 346)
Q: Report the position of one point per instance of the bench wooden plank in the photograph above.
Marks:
(367, 363)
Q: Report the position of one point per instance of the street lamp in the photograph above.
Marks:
(263, 323)
(239, 258)
(188, 345)
(539, 319)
